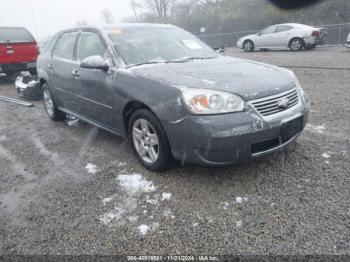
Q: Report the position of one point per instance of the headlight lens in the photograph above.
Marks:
(301, 91)
(206, 101)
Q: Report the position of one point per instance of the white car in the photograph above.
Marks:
(282, 36)
(348, 41)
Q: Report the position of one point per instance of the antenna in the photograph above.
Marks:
(35, 25)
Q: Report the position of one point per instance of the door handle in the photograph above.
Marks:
(76, 73)
(51, 66)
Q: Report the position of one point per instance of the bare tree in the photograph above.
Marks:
(107, 16)
(82, 22)
(135, 6)
(160, 9)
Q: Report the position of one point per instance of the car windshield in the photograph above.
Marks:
(158, 45)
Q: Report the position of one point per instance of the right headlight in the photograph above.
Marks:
(207, 101)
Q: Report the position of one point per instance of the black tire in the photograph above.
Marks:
(164, 159)
(296, 44)
(248, 46)
(55, 114)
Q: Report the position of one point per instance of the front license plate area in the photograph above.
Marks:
(291, 128)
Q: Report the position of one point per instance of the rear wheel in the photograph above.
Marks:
(248, 46)
(149, 141)
(296, 44)
(50, 105)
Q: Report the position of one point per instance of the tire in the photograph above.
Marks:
(50, 105)
(248, 46)
(296, 44)
(149, 141)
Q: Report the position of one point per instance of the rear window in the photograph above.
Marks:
(15, 35)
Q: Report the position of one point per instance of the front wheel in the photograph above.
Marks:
(149, 141)
(296, 44)
(248, 46)
(50, 105)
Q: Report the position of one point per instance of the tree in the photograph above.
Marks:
(82, 22)
(107, 16)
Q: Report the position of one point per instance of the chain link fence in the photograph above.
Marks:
(336, 35)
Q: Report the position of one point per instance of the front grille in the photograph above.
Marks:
(265, 145)
(270, 105)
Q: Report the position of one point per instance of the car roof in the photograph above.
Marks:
(296, 25)
(108, 27)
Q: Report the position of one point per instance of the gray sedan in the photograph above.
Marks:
(172, 95)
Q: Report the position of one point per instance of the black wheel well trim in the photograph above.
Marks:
(130, 108)
(296, 37)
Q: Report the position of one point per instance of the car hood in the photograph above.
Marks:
(249, 79)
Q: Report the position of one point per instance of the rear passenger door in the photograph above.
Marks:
(282, 35)
(60, 68)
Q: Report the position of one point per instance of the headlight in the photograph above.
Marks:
(206, 102)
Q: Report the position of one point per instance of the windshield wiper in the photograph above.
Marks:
(188, 59)
(146, 63)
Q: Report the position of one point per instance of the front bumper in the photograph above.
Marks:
(232, 138)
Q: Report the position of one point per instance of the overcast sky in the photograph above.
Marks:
(54, 15)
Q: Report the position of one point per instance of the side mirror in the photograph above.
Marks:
(94, 62)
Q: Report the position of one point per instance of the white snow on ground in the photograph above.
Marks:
(105, 201)
(91, 168)
(239, 223)
(318, 129)
(195, 225)
(3, 138)
(115, 214)
(240, 200)
(143, 229)
(166, 196)
(168, 214)
(122, 164)
(152, 201)
(135, 184)
(326, 155)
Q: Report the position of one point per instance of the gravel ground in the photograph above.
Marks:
(79, 190)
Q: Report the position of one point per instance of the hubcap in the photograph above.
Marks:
(48, 102)
(146, 141)
(296, 45)
(248, 46)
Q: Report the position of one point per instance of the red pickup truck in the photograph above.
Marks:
(18, 51)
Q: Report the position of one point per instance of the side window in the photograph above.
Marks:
(64, 47)
(90, 44)
(269, 30)
(283, 28)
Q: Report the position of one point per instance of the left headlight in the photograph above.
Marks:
(207, 101)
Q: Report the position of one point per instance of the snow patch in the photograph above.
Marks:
(91, 168)
(143, 229)
(135, 184)
(122, 164)
(105, 201)
(166, 196)
(239, 223)
(114, 215)
(240, 200)
(326, 155)
(3, 138)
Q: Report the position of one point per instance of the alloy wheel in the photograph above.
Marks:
(48, 103)
(146, 141)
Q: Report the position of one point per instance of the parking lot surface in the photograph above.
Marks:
(79, 190)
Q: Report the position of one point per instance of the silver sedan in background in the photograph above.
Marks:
(282, 36)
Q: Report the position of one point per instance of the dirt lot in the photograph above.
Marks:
(68, 190)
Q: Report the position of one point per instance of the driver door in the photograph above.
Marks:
(96, 87)
(266, 38)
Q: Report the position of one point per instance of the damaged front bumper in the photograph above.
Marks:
(221, 140)
(29, 87)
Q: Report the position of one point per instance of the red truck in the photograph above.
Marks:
(18, 51)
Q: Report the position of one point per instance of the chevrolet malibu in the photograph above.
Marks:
(171, 95)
